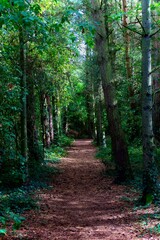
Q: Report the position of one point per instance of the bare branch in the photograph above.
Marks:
(132, 30)
(140, 24)
(154, 33)
(155, 69)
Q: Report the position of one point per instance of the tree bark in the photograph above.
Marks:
(98, 114)
(127, 55)
(35, 156)
(46, 125)
(156, 83)
(50, 116)
(55, 118)
(89, 96)
(24, 147)
(127, 41)
(150, 188)
(119, 147)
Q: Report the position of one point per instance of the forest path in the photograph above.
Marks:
(83, 205)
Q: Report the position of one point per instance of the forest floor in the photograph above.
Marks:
(84, 204)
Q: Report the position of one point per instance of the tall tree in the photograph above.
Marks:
(127, 41)
(22, 59)
(156, 77)
(150, 188)
(119, 147)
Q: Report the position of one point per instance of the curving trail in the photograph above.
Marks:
(83, 204)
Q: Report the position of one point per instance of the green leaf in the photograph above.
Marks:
(1, 21)
(149, 199)
(3, 232)
(16, 225)
(36, 8)
(3, 220)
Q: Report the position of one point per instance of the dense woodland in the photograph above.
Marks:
(80, 69)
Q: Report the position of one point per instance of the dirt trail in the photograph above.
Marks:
(83, 204)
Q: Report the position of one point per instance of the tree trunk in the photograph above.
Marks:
(34, 154)
(127, 41)
(47, 138)
(89, 95)
(119, 147)
(55, 118)
(156, 89)
(50, 116)
(24, 149)
(98, 114)
(64, 120)
(150, 188)
(98, 108)
(127, 55)
(42, 98)
(156, 83)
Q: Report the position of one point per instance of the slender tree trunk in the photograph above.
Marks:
(99, 136)
(64, 120)
(45, 120)
(47, 138)
(55, 117)
(34, 154)
(127, 55)
(42, 98)
(24, 149)
(98, 114)
(89, 96)
(150, 188)
(50, 116)
(119, 147)
(127, 41)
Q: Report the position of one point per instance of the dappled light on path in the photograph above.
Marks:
(83, 204)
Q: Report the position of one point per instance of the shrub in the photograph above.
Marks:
(65, 141)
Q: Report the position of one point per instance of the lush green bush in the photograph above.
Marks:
(57, 151)
(18, 201)
(104, 153)
(54, 154)
(65, 141)
(135, 154)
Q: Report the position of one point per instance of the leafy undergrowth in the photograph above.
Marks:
(58, 150)
(14, 201)
(135, 153)
(12, 204)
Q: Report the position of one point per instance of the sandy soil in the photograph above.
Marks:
(83, 204)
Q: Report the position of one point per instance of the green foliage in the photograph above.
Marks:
(44, 174)
(54, 152)
(3, 231)
(57, 151)
(104, 153)
(64, 141)
(8, 217)
(17, 201)
(11, 204)
(149, 199)
(55, 31)
(13, 171)
(135, 154)
(155, 229)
